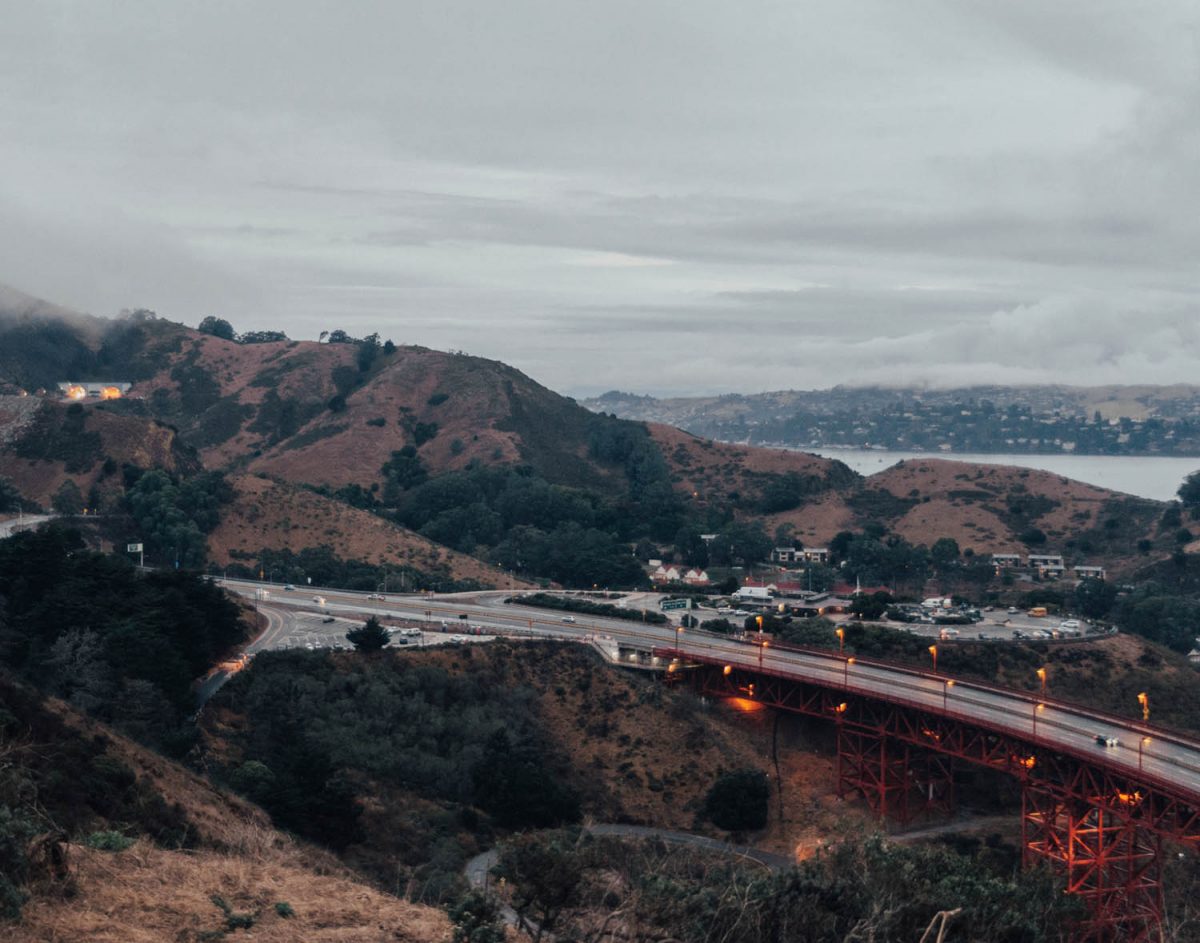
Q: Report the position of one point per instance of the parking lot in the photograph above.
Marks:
(316, 630)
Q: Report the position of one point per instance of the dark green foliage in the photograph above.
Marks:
(675, 893)
(437, 399)
(512, 783)
(336, 404)
(738, 801)
(576, 604)
(90, 629)
(879, 505)
(262, 337)
(217, 327)
(278, 418)
(739, 544)
(1032, 537)
(68, 499)
(108, 840)
(17, 827)
(477, 918)
(1094, 598)
(379, 422)
(284, 909)
(10, 497)
(61, 435)
(1189, 491)
(816, 632)
(174, 516)
(722, 626)
(220, 422)
(402, 472)
(872, 606)
(570, 554)
(198, 390)
(1173, 621)
(345, 379)
(785, 492)
(320, 726)
(371, 636)
(423, 432)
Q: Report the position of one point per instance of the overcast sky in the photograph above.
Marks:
(658, 197)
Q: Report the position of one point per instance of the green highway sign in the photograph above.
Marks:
(668, 604)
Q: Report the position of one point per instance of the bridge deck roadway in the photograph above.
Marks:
(1167, 760)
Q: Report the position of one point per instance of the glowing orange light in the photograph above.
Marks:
(76, 392)
(841, 708)
(110, 392)
(728, 669)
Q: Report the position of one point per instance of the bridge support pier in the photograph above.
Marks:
(1107, 859)
(898, 781)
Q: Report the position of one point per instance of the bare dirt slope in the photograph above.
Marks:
(278, 516)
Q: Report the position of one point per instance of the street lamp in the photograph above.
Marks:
(761, 647)
(1144, 700)
(846, 672)
(1142, 741)
(1041, 673)
(933, 653)
(1036, 708)
(841, 634)
(946, 692)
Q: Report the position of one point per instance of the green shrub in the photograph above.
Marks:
(108, 841)
(284, 909)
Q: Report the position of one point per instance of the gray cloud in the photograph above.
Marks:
(641, 195)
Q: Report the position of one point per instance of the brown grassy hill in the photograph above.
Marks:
(713, 471)
(44, 443)
(316, 413)
(987, 508)
(278, 516)
(86, 778)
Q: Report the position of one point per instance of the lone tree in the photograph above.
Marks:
(368, 637)
(737, 801)
(1189, 493)
(217, 327)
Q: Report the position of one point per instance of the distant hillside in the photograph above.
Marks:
(1111, 420)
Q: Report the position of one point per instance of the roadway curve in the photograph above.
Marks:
(1144, 752)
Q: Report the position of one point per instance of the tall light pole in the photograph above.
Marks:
(841, 634)
(946, 693)
(761, 646)
(1036, 707)
(1144, 700)
(933, 654)
(1142, 741)
(846, 672)
(1041, 673)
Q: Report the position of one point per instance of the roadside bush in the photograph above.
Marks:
(737, 801)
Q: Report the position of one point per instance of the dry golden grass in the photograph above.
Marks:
(148, 895)
(279, 516)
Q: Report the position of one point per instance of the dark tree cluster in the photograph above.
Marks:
(121, 645)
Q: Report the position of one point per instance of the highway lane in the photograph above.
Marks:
(1163, 755)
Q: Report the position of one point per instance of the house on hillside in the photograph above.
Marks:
(786, 555)
(815, 555)
(696, 577)
(1047, 564)
(75, 390)
(664, 574)
(1089, 573)
(1004, 561)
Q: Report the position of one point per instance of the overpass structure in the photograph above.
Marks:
(1100, 793)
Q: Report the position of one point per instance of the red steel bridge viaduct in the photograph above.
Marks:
(1100, 793)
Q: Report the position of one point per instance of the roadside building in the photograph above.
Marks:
(1004, 561)
(696, 577)
(665, 574)
(786, 555)
(815, 555)
(1089, 573)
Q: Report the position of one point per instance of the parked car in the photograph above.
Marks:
(1069, 624)
(458, 639)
